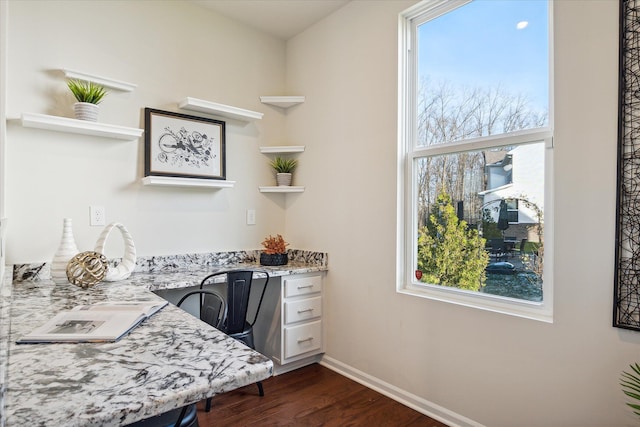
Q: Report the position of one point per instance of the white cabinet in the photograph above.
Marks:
(290, 328)
(302, 339)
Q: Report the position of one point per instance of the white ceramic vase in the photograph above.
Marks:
(86, 111)
(65, 252)
(283, 179)
(128, 263)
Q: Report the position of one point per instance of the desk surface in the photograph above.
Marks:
(171, 360)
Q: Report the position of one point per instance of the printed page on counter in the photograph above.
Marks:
(101, 322)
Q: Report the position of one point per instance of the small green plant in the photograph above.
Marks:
(86, 91)
(282, 165)
(630, 383)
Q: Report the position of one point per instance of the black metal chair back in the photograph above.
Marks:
(212, 310)
(238, 291)
(212, 306)
(239, 323)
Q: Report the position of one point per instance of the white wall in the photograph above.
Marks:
(492, 368)
(170, 50)
(3, 128)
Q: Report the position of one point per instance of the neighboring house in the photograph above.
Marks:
(516, 177)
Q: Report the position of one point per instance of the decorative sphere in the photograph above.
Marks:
(87, 269)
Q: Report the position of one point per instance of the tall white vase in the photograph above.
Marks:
(65, 252)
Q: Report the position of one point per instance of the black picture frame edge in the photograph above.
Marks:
(619, 284)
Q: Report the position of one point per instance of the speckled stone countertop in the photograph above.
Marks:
(169, 361)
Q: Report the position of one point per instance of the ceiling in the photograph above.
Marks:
(280, 18)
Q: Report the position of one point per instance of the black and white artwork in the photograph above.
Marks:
(626, 302)
(184, 146)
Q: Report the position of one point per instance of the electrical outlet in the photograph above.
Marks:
(97, 216)
(251, 217)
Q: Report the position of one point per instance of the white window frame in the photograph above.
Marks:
(406, 249)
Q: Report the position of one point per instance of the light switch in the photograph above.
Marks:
(251, 217)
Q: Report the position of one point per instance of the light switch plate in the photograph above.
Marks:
(251, 217)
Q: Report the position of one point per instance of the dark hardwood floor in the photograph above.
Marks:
(309, 396)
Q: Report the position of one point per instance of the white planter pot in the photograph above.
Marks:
(86, 111)
(283, 179)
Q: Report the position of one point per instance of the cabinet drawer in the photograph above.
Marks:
(302, 339)
(304, 309)
(302, 286)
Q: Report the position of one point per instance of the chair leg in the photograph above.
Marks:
(207, 408)
(181, 417)
(260, 389)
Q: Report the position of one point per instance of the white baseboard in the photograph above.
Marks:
(421, 405)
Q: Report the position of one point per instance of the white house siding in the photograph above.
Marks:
(528, 183)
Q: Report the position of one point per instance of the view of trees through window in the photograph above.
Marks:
(482, 71)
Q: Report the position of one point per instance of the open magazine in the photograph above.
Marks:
(101, 322)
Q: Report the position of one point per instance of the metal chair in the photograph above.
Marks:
(237, 323)
(496, 248)
(180, 417)
(212, 309)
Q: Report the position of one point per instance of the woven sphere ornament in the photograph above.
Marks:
(86, 269)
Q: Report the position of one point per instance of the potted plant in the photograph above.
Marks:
(275, 251)
(284, 168)
(630, 383)
(88, 95)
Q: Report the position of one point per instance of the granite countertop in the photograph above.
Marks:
(169, 361)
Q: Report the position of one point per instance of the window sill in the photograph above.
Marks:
(493, 303)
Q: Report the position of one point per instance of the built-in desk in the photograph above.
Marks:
(169, 361)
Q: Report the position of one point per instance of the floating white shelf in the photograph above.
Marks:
(282, 101)
(186, 182)
(84, 127)
(221, 110)
(282, 189)
(103, 81)
(282, 149)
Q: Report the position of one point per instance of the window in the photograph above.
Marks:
(512, 211)
(475, 149)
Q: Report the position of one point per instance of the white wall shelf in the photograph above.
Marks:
(83, 127)
(220, 110)
(186, 182)
(282, 149)
(282, 189)
(282, 101)
(103, 81)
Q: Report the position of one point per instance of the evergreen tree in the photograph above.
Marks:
(449, 253)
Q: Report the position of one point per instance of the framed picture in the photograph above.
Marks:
(183, 146)
(626, 302)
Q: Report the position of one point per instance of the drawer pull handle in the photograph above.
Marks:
(306, 310)
(304, 286)
(300, 341)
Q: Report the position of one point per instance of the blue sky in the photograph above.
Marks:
(479, 45)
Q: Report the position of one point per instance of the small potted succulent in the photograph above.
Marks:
(274, 252)
(88, 95)
(284, 169)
